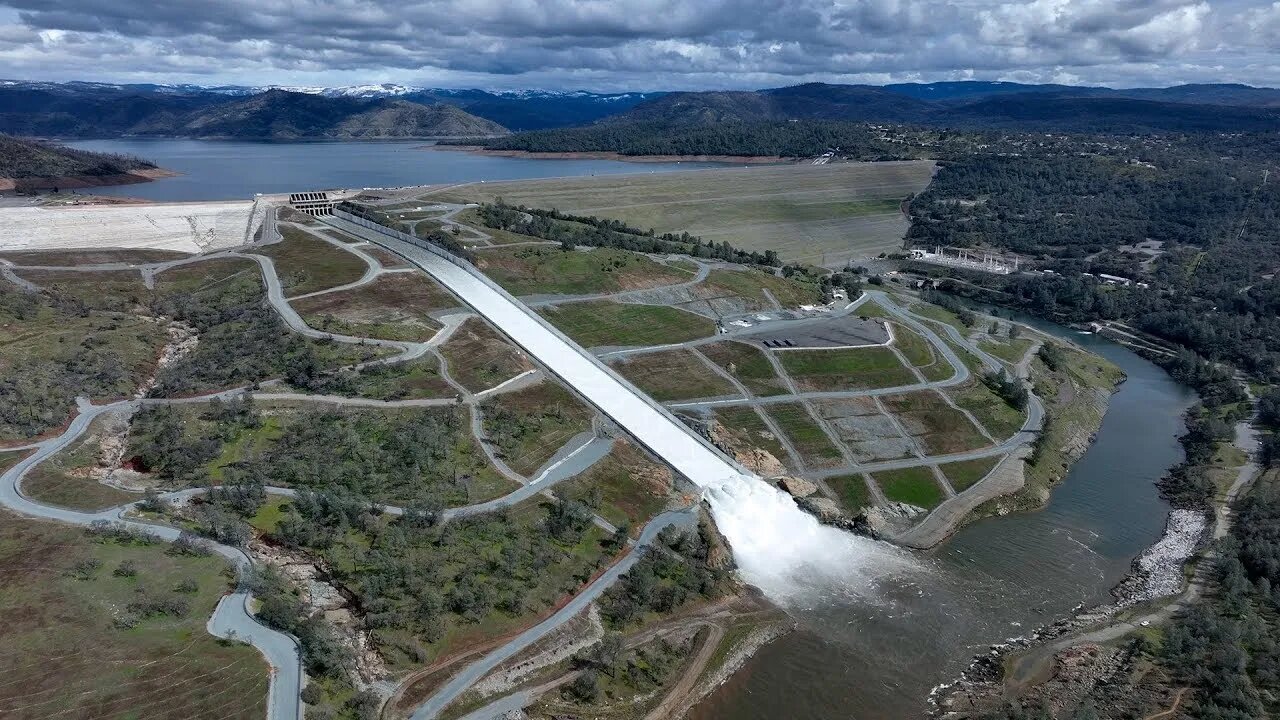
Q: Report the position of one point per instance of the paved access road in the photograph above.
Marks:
(472, 674)
(651, 424)
(231, 617)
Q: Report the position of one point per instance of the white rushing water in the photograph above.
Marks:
(793, 558)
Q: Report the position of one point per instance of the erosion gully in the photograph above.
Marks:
(866, 658)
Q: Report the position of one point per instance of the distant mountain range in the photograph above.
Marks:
(979, 104)
(90, 110)
(81, 109)
(70, 109)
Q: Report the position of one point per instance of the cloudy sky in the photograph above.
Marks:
(639, 44)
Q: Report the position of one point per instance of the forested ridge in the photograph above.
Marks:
(24, 158)
(1209, 203)
(788, 139)
(588, 230)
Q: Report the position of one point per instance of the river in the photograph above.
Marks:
(996, 578)
(231, 170)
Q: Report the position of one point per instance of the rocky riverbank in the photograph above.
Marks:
(1156, 573)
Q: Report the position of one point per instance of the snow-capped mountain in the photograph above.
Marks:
(514, 109)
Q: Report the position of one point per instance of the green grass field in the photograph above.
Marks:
(807, 213)
(748, 364)
(114, 290)
(551, 270)
(480, 358)
(392, 307)
(747, 427)
(962, 475)
(626, 487)
(914, 486)
(672, 375)
(994, 413)
(79, 641)
(939, 428)
(921, 354)
(1008, 350)
(752, 285)
(808, 438)
(307, 264)
(528, 426)
(90, 256)
(63, 479)
(599, 323)
(851, 492)
(845, 369)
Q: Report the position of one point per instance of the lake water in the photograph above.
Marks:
(997, 578)
(230, 170)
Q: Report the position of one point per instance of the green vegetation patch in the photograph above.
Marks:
(921, 353)
(307, 264)
(914, 486)
(52, 350)
(392, 307)
(937, 426)
(64, 479)
(845, 369)
(112, 290)
(528, 426)
(598, 323)
(999, 419)
(851, 492)
(90, 256)
(436, 589)
(625, 488)
(95, 625)
(805, 434)
(964, 474)
(748, 429)
(480, 358)
(242, 339)
(552, 270)
(754, 286)
(673, 375)
(413, 456)
(414, 380)
(748, 364)
(1010, 350)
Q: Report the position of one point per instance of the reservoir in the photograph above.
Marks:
(997, 578)
(236, 170)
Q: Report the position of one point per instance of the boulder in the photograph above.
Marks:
(798, 487)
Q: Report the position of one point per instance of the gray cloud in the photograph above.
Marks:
(641, 44)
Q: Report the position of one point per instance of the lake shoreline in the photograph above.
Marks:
(77, 182)
(734, 159)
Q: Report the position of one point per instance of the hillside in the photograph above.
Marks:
(1007, 105)
(32, 164)
(282, 115)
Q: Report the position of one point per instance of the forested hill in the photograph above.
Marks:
(22, 160)
(281, 115)
(1196, 218)
(63, 111)
(758, 139)
(1019, 107)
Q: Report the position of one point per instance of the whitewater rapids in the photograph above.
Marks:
(793, 558)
